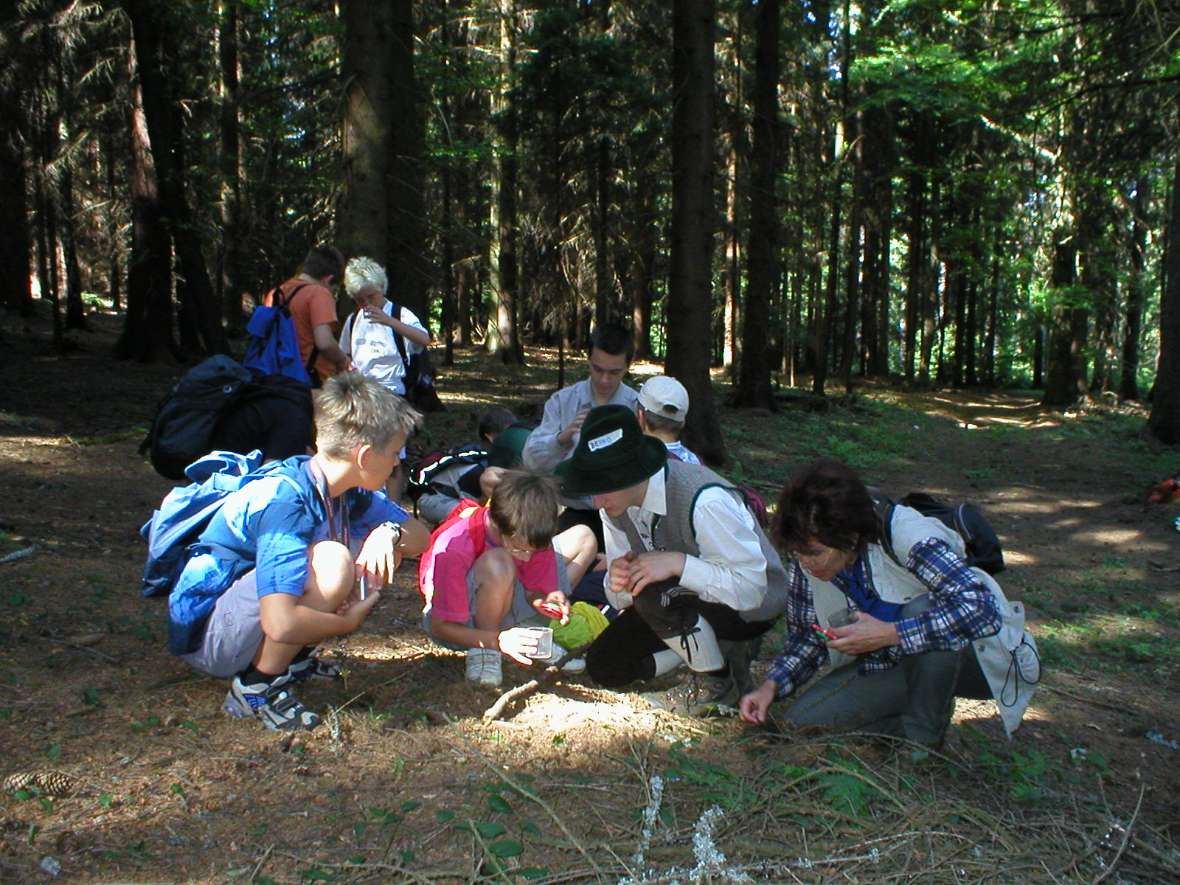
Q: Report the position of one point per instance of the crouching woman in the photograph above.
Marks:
(905, 633)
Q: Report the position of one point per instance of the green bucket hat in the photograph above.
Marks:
(612, 454)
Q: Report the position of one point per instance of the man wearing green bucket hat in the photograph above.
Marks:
(696, 577)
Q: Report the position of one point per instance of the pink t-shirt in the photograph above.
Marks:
(453, 550)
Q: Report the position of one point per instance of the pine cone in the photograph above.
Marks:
(56, 783)
(19, 781)
(49, 783)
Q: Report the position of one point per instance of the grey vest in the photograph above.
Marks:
(684, 482)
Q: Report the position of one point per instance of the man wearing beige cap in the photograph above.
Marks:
(663, 406)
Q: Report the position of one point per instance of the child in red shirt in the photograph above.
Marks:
(489, 568)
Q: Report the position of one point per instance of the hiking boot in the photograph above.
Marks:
(313, 667)
(739, 654)
(274, 703)
(702, 695)
(484, 666)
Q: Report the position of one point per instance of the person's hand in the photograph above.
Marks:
(377, 315)
(518, 643)
(489, 479)
(754, 706)
(380, 555)
(556, 600)
(566, 436)
(863, 635)
(355, 611)
(654, 566)
(620, 572)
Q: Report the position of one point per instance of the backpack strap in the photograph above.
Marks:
(884, 509)
(397, 339)
(284, 306)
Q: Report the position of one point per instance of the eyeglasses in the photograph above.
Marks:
(517, 549)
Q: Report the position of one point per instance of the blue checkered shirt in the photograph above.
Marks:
(964, 610)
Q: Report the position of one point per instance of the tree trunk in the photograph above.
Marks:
(15, 243)
(1098, 264)
(689, 302)
(918, 260)
(754, 379)
(408, 265)
(362, 220)
(75, 310)
(156, 62)
(229, 253)
(1066, 380)
(643, 262)
(733, 252)
(1164, 422)
(502, 335)
(993, 311)
(1129, 376)
(147, 327)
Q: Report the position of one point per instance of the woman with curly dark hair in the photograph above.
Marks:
(919, 624)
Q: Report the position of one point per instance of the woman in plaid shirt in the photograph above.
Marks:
(904, 640)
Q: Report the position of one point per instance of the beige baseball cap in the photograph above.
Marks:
(664, 396)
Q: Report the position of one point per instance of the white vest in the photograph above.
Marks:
(1009, 660)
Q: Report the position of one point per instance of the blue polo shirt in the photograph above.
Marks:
(268, 526)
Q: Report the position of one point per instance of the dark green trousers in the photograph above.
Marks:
(914, 700)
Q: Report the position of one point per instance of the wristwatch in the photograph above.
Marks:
(397, 532)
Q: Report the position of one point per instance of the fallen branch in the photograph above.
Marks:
(23, 553)
(522, 691)
(1126, 839)
(80, 647)
(493, 712)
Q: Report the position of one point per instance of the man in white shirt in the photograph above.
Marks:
(696, 577)
(610, 352)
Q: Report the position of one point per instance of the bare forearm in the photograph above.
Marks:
(336, 356)
(410, 333)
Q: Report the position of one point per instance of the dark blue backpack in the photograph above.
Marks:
(187, 510)
(274, 347)
(186, 418)
(980, 539)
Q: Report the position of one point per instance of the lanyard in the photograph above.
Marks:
(332, 506)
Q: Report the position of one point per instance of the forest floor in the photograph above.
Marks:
(406, 781)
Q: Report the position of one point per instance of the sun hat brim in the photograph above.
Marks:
(588, 473)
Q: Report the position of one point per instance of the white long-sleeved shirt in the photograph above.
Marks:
(543, 451)
(731, 568)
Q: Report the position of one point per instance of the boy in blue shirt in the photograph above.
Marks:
(274, 573)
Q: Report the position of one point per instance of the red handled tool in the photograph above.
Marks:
(823, 633)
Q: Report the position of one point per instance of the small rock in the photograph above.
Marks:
(51, 865)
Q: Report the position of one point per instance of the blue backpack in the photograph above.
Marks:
(187, 510)
(274, 347)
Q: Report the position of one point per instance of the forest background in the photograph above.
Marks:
(973, 194)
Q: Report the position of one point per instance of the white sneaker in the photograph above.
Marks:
(573, 666)
(483, 666)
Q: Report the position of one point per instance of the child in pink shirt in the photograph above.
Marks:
(487, 569)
